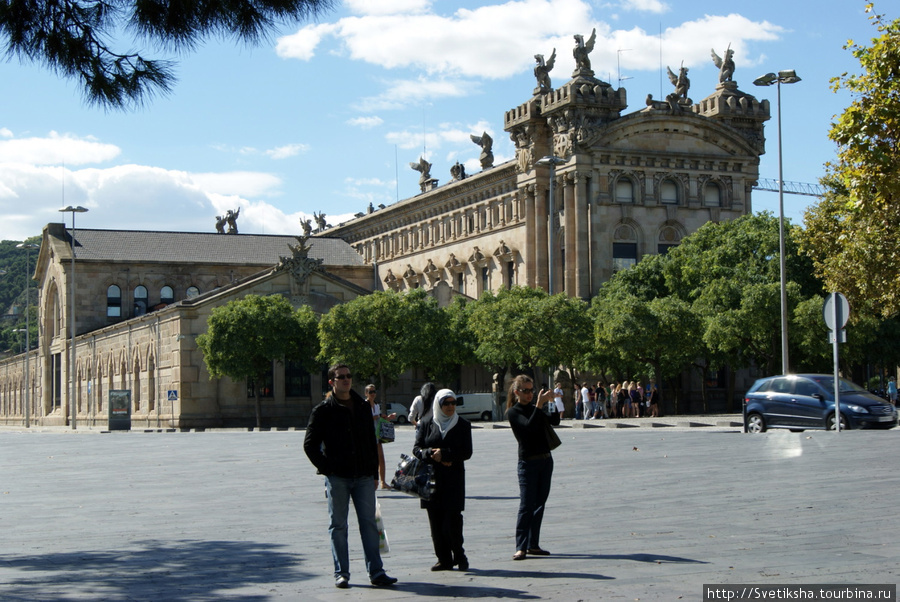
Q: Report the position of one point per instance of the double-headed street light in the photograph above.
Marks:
(783, 77)
(552, 161)
(73, 211)
(27, 247)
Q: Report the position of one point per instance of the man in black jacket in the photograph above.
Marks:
(340, 442)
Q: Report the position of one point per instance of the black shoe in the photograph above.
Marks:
(463, 564)
(538, 552)
(383, 580)
(442, 566)
(342, 582)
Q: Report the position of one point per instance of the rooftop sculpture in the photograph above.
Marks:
(542, 72)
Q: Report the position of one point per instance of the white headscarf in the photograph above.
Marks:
(443, 422)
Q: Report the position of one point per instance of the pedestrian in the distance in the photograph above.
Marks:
(340, 442)
(529, 424)
(445, 440)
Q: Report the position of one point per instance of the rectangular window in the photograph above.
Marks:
(296, 380)
(461, 283)
(624, 255)
(266, 388)
(57, 380)
(485, 280)
(662, 249)
(510, 274)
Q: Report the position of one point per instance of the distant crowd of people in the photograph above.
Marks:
(628, 399)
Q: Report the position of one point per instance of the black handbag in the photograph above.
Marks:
(414, 477)
(552, 438)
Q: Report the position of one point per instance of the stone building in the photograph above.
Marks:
(624, 186)
(141, 300)
(590, 191)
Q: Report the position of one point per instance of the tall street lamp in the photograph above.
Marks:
(27, 247)
(552, 161)
(73, 211)
(783, 77)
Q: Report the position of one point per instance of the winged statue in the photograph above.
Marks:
(725, 65)
(542, 72)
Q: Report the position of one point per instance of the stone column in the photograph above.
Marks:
(529, 247)
(581, 257)
(540, 238)
(570, 268)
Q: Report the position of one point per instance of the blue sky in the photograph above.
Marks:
(327, 115)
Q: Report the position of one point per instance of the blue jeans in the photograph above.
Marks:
(534, 489)
(340, 491)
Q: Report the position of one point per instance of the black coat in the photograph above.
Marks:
(340, 442)
(456, 447)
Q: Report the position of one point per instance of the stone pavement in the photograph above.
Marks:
(634, 514)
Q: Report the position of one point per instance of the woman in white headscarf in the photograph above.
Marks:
(445, 440)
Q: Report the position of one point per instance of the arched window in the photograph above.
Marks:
(668, 192)
(624, 191)
(113, 302)
(166, 295)
(192, 292)
(140, 300)
(712, 195)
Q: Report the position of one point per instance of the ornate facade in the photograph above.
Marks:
(624, 186)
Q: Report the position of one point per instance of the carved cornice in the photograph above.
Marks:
(504, 253)
(392, 281)
(454, 265)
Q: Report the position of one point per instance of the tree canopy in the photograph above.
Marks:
(76, 38)
(384, 334)
(525, 328)
(851, 233)
(245, 336)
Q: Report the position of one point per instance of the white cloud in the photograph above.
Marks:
(241, 183)
(651, 6)
(380, 7)
(302, 45)
(403, 93)
(286, 151)
(454, 51)
(55, 149)
(366, 122)
(6, 133)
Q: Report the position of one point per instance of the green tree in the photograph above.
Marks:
(851, 233)
(640, 329)
(459, 349)
(75, 37)
(245, 336)
(525, 328)
(13, 300)
(384, 334)
(729, 272)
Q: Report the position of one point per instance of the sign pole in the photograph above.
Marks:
(837, 383)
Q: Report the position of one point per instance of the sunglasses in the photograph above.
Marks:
(448, 402)
(371, 392)
(343, 377)
(525, 391)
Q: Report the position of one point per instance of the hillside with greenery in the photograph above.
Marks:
(12, 295)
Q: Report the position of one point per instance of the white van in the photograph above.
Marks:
(475, 406)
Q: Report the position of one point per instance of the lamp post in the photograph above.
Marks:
(71, 370)
(552, 161)
(783, 77)
(27, 247)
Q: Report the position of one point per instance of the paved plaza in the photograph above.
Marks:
(649, 513)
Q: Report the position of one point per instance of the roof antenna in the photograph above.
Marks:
(619, 65)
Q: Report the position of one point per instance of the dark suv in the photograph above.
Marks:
(806, 401)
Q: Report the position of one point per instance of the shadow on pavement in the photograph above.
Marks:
(173, 570)
(464, 591)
